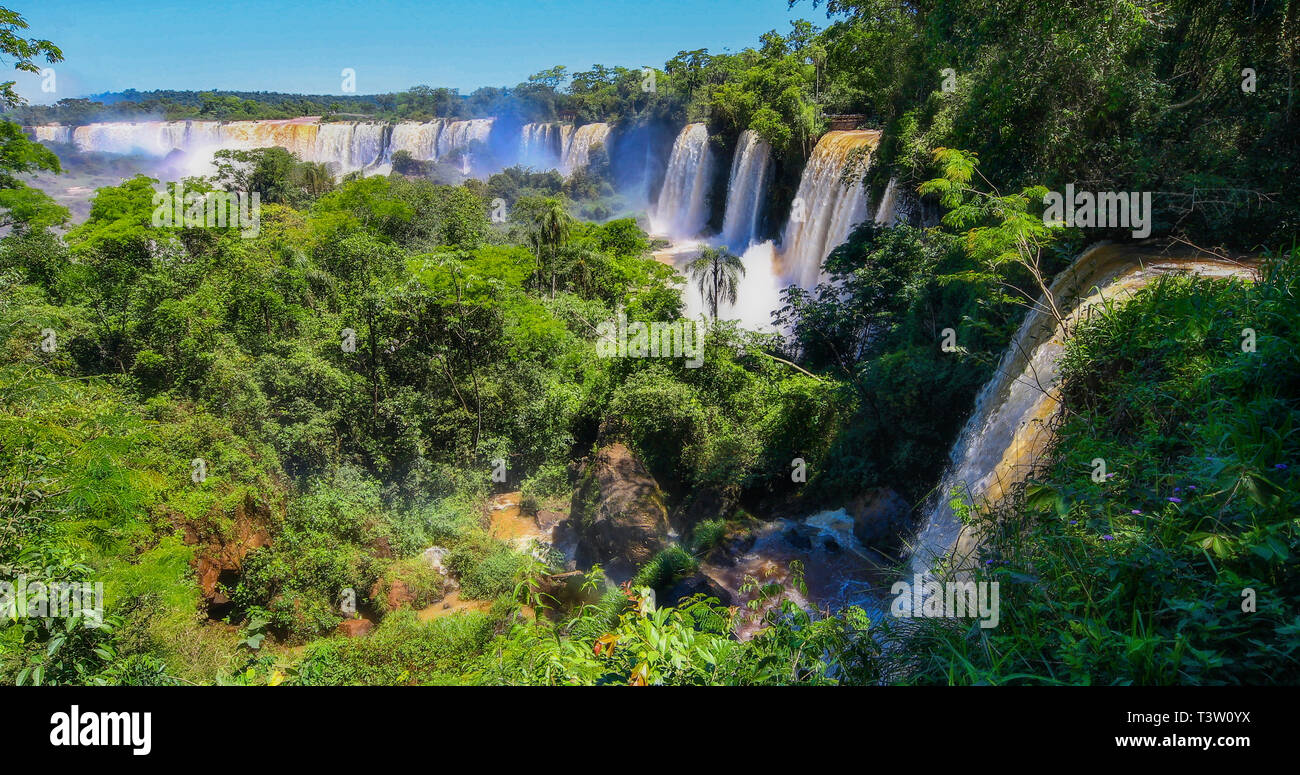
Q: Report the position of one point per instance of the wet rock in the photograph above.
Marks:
(697, 584)
(881, 518)
(618, 512)
(798, 537)
(702, 504)
(547, 520)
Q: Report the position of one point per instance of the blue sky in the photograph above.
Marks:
(303, 45)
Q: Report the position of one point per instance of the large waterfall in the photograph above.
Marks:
(1009, 427)
(577, 148)
(750, 171)
(541, 146)
(682, 211)
(418, 139)
(824, 210)
(348, 145)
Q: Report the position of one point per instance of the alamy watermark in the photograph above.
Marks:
(946, 600)
(1104, 209)
(208, 209)
(52, 600)
(658, 339)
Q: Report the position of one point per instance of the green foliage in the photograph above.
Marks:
(402, 650)
(665, 568)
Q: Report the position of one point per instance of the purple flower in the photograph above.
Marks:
(1280, 466)
(1178, 489)
(1135, 512)
(1191, 487)
(1174, 500)
(1108, 537)
(1074, 522)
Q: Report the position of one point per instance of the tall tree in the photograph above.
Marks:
(717, 273)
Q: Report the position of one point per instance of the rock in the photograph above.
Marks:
(436, 557)
(396, 596)
(702, 504)
(618, 511)
(383, 549)
(881, 518)
(799, 537)
(547, 520)
(697, 584)
(220, 557)
(356, 628)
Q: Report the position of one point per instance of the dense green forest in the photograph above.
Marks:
(237, 434)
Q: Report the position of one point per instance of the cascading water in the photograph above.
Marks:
(682, 210)
(578, 145)
(824, 210)
(750, 172)
(52, 133)
(1009, 427)
(418, 138)
(459, 135)
(887, 211)
(297, 136)
(541, 146)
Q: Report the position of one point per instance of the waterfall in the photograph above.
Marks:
(682, 210)
(887, 211)
(348, 145)
(541, 146)
(824, 210)
(750, 171)
(147, 137)
(578, 145)
(420, 139)
(298, 136)
(1009, 427)
(459, 135)
(52, 133)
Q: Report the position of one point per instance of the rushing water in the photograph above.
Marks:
(824, 210)
(751, 169)
(682, 211)
(419, 139)
(541, 146)
(579, 144)
(347, 145)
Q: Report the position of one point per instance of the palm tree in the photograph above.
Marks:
(551, 232)
(717, 272)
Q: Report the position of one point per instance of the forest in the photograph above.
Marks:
(315, 455)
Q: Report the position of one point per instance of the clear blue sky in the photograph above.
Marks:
(302, 45)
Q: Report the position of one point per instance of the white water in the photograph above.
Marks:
(1009, 427)
(347, 145)
(541, 146)
(751, 170)
(824, 210)
(682, 211)
(578, 144)
(459, 135)
(420, 139)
